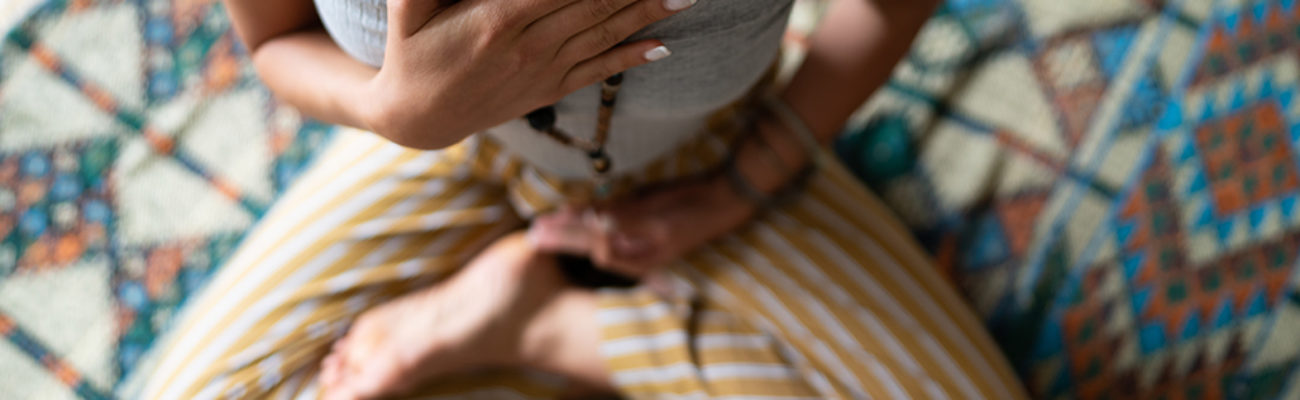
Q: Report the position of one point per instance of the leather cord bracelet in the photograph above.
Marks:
(801, 131)
(770, 154)
(792, 188)
(782, 196)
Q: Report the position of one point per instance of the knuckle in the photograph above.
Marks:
(492, 26)
(489, 39)
(494, 30)
(651, 14)
(570, 54)
(604, 38)
(605, 71)
(482, 46)
(602, 9)
(511, 21)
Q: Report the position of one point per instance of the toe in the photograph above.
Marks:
(337, 393)
(339, 345)
(329, 370)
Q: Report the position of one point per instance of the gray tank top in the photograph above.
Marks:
(720, 48)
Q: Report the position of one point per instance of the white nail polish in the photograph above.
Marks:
(657, 53)
(677, 5)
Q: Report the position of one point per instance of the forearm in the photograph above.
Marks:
(298, 60)
(309, 71)
(851, 54)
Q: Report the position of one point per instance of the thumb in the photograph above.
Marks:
(561, 234)
(640, 239)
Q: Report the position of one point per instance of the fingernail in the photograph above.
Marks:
(603, 222)
(631, 245)
(677, 5)
(658, 53)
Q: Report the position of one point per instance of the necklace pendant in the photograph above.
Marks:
(601, 165)
(603, 189)
(599, 161)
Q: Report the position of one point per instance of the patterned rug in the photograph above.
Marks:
(136, 147)
(1113, 184)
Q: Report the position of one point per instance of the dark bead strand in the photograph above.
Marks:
(600, 161)
(543, 120)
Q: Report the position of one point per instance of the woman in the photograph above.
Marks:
(636, 133)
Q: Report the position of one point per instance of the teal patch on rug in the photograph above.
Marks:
(1113, 186)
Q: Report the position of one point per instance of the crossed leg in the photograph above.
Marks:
(824, 298)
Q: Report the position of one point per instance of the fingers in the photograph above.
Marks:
(559, 26)
(581, 15)
(596, 236)
(635, 246)
(329, 371)
(609, 32)
(565, 231)
(613, 62)
(637, 243)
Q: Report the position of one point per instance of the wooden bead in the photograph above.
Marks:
(542, 119)
(599, 160)
(601, 165)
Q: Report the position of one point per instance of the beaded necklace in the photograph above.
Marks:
(543, 120)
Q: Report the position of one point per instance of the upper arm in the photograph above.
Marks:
(257, 21)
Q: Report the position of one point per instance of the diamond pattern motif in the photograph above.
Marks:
(143, 158)
(1153, 253)
(1113, 186)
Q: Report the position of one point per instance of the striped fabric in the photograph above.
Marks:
(825, 298)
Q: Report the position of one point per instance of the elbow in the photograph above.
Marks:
(418, 140)
(394, 124)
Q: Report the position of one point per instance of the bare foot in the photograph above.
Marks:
(476, 319)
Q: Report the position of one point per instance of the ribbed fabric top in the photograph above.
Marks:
(720, 48)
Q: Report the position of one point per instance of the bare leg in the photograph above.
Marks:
(509, 307)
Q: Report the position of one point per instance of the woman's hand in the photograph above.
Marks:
(633, 235)
(451, 71)
(638, 234)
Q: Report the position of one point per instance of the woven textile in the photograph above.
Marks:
(135, 149)
(1113, 184)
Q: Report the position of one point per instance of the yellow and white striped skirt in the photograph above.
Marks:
(825, 297)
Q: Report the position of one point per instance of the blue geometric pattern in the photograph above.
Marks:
(1140, 243)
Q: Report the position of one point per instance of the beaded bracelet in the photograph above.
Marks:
(799, 127)
(791, 189)
(769, 154)
(783, 195)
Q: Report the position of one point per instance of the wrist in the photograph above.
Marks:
(727, 198)
(364, 102)
(385, 107)
(773, 162)
(771, 158)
